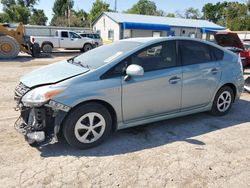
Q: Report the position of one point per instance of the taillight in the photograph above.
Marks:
(32, 39)
(240, 62)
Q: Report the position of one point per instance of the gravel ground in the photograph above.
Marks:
(193, 151)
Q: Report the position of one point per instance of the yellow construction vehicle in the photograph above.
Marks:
(13, 41)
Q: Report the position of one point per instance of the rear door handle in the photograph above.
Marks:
(174, 80)
(214, 70)
(62, 39)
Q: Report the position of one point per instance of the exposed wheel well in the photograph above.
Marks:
(108, 106)
(232, 86)
(47, 42)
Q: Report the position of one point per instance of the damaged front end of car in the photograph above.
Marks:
(40, 116)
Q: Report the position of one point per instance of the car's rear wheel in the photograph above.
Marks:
(87, 47)
(87, 126)
(223, 101)
(47, 48)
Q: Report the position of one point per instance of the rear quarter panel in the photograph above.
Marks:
(232, 73)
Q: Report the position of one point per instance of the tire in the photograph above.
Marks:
(77, 128)
(9, 47)
(47, 48)
(87, 47)
(36, 50)
(223, 101)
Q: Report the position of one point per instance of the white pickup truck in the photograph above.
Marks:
(63, 39)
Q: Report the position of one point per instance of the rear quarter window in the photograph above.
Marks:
(217, 53)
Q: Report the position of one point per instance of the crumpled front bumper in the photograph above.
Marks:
(36, 124)
(39, 125)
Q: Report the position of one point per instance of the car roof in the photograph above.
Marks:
(147, 40)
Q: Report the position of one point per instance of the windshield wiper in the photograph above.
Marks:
(78, 63)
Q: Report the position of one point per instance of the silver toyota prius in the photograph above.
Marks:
(127, 83)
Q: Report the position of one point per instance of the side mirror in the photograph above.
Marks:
(134, 70)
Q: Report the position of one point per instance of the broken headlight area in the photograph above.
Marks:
(36, 124)
(39, 120)
(40, 125)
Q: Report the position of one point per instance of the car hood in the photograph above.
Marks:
(53, 73)
(227, 39)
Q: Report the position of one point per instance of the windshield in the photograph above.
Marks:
(105, 54)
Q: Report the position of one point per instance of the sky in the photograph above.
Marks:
(166, 5)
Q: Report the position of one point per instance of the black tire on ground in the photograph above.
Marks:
(47, 48)
(223, 101)
(87, 47)
(36, 50)
(76, 127)
(9, 47)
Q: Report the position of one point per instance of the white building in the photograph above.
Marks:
(114, 26)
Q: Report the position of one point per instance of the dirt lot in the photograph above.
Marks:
(192, 151)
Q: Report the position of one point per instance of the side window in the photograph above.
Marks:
(111, 34)
(159, 56)
(73, 35)
(98, 32)
(65, 34)
(118, 70)
(97, 36)
(193, 52)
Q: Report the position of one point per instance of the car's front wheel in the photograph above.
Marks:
(87, 126)
(223, 101)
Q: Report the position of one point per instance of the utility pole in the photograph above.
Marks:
(115, 5)
(68, 14)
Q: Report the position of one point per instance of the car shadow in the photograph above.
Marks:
(182, 129)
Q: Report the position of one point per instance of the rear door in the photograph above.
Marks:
(201, 73)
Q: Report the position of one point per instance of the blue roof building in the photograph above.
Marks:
(115, 26)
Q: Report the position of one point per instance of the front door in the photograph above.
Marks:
(70, 40)
(158, 91)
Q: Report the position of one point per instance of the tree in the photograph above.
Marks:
(17, 10)
(214, 12)
(38, 17)
(192, 13)
(61, 7)
(237, 16)
(3, 18)
(233, 15)
(97, 8)
(160, 13)
(171, 15)
(145, 7)
(62, 12)
(17, 13)
(27, 3)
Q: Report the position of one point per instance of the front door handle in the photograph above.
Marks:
(214, 70)
(174, 80)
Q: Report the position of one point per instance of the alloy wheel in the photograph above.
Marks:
(90, 127)
(224, 101)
